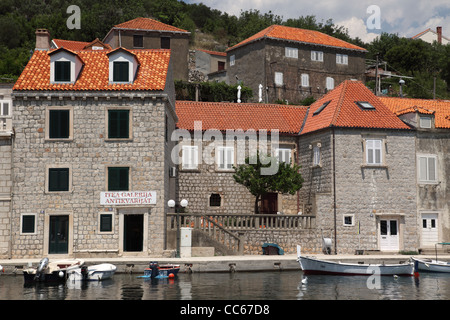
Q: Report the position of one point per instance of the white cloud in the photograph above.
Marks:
(404, 17)
(357, 28)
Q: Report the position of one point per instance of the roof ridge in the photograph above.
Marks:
(337, 110)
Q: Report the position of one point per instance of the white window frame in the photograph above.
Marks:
(370, 150)
(317, 56)
(352, 224)
(341, 58)
(316, 155)
(232, 60)
(278, 78)
(425, 122)
(225, 158)
(330, 83)
(189, 158)
(425, 170)
(21, 223)
(9, 108)
(291, 52)
(284, 155)
(305, 80)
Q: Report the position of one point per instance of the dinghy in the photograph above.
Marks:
(97, 272)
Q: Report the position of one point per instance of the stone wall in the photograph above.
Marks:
(5, 195)
(88, 156)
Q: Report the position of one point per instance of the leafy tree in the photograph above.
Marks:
(286, 180)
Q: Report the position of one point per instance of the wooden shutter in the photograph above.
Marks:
(59, 124)
(58, 179)
(118, 178)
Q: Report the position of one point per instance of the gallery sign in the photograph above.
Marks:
(127, 198)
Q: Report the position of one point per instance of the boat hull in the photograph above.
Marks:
(433, 266)
(315, 266)
(99, 272)
(164, 271)
(53, 277)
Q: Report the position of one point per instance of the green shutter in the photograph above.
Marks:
(28, 223)
(62, 71)
(118, 178)
(118, 124)
(121, 71)
(58, 179)
(105, 222)
(59, 124)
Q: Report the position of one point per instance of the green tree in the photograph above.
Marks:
(286, 180)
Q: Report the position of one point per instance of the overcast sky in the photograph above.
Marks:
(404, 17)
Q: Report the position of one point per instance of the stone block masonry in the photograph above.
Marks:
(88, 153)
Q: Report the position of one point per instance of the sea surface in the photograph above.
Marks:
(274, 285)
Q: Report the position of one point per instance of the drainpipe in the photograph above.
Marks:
(334, 192)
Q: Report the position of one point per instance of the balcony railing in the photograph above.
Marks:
(229, 229)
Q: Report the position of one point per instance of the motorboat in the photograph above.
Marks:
(156, 271)
(311, 265)
(51, 271)
(97, 272)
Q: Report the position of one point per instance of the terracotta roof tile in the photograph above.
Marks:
(245, 116)
(95, 73)
(342, 110)
(147, 24)
(440, 108)
(299, 35)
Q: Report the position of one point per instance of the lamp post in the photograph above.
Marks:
(171, 204)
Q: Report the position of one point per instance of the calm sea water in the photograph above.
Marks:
(284, 285)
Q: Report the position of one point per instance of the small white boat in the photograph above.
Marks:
(97, 272)
(429, 265)
(315, 266)
(51, 271)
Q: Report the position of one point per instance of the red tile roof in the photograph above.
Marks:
(94, 76)
(245, 116)
(80, 45)
(343, 111)
(147, 24)
(299, 35)
(216, 53)
(440, 108)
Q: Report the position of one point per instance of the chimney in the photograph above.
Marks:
(439, 34)
(42, 39)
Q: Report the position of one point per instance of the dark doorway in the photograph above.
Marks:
(269, 203)
(59, 234)
(133, 234)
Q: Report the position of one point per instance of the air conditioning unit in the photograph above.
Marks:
(172, 172)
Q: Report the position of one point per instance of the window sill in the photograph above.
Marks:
(428, 182)
(225, 170)
(316, 166)
(118, 139)
(190, 170)
(58, 139)
(374, 166)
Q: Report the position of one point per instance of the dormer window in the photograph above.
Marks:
(65, 66)
(123, 66)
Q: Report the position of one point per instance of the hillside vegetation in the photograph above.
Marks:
(211, 29)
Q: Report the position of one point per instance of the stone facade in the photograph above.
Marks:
(364, 194)
(88, 155)
(269, 57)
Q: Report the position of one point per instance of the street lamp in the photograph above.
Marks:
(171, 204)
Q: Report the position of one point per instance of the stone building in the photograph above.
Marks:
(91, 153)
(355, 158)
(146, 33)
(430, 119)
(222, 135)
(293, 64)
(209, 64)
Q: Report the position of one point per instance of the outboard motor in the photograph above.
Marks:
(155, 269)
(84, 272)
(42, 265)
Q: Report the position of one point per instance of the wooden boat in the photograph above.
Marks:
(51, 271)
(429, 265)
(315, 266)
(156, 271)
(97, 272)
